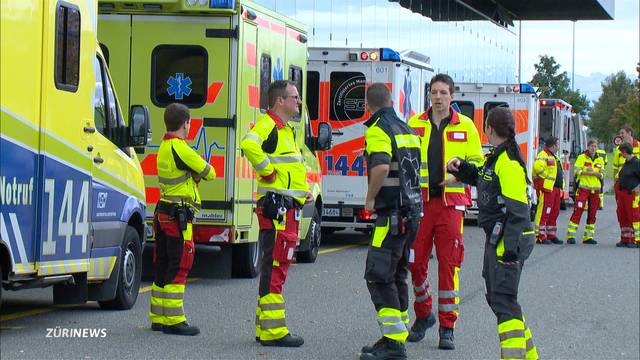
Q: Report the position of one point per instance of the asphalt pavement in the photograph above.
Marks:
(581, 302)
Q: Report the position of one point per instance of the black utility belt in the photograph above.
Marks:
(401, 221)
(182, 213)
(274, 206)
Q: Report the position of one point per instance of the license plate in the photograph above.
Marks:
(330, 212)
(347, 212)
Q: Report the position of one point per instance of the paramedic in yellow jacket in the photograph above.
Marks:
(444, 134)
(180, 168)
(589, 170)
(548, 180)
(271, 148)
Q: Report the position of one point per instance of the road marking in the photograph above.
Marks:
(12, 327)
(339, 248)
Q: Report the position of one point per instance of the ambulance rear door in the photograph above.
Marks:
(344, 170)
(187, 59)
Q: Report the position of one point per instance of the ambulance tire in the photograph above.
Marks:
(246, 260)
(0, 285)
(130, 273)
(313, 238)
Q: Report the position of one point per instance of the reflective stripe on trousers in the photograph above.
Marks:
(270, 317)
(167, 304)
(392, 325)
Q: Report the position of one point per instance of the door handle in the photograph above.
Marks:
(338, 133)
(89, 148)
(89, 129)
(98, 160)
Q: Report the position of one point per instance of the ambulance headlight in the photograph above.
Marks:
(192, 2)
(202, 2)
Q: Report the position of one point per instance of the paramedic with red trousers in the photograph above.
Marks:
(548, 181)
(629, 197)
(272, 149)
(180, 169)
(444, 134)
(626, 235)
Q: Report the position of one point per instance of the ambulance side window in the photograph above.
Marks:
(313, 94)
(265, 81)
(490, 106)
(466, 108)
(99, 108)
(295, 75)
(67, 47)
(179, 74)
(347, 95)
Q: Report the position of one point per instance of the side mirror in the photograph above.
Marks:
(139, 129)
(323, 141)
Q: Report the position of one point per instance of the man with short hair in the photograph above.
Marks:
(272, 149)
(626, 132)
(445, 134)
(393, 165)
(180, 169)
(548, 180)
(589, 171)
(628, 197)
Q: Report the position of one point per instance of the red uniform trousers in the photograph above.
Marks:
(629, 216)
(547, 214)
(441, 225)
(584, 197)
(278, 241)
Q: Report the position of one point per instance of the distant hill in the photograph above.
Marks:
(590, 85)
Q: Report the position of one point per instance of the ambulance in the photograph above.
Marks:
(72, 199)
(218, 58)
(337, 79)
(557, 119)
(475, 100)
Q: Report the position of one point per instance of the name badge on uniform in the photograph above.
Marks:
(297, 214)
(550, 162)
(457, 136)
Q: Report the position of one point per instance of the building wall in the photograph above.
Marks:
(469, 51)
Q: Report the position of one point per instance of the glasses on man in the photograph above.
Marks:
(295, 97)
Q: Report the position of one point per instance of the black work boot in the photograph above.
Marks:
(546, 242)
(371, 348)
(621, 244)
(385, 349)
(446, 339)
(556, 241)
(156, 327)
(420, 327)
(590, 242)
(288, 340)
(181, 329)
(571, 240)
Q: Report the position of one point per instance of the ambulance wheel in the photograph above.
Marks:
(313, 239)
(246, 260)
(130, 273)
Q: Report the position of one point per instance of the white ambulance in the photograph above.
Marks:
(336, 83)
(475, 100)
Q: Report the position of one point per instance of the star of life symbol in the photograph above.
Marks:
(410, 166)
(102, 200)
(278, 72)
(179, 86)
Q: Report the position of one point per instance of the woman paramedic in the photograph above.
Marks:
(504, 215)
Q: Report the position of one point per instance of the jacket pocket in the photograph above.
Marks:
(284, 248)
(188, 254)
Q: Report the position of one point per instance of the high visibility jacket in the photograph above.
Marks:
(619, 160)
(271, 148)
(388, 140)
(545, 170)
(177, 164)
(459, 139)
(502, 182)
(586, 162)
(603, 155)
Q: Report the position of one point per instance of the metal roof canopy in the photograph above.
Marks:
(504, 12)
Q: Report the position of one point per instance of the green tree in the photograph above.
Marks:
(617, 90)
(554, 85)
(547, 79)
(629, 112)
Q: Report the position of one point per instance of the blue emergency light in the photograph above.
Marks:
(527, 89)
(387, 54)
(222, 4)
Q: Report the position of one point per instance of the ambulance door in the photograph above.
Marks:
(186, 59)
(345, 181)
(67, 130)
(248, 113)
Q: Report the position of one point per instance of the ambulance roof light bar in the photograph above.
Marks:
(387, 54)
(221, 4)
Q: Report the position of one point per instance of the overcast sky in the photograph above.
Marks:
(601, 46)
